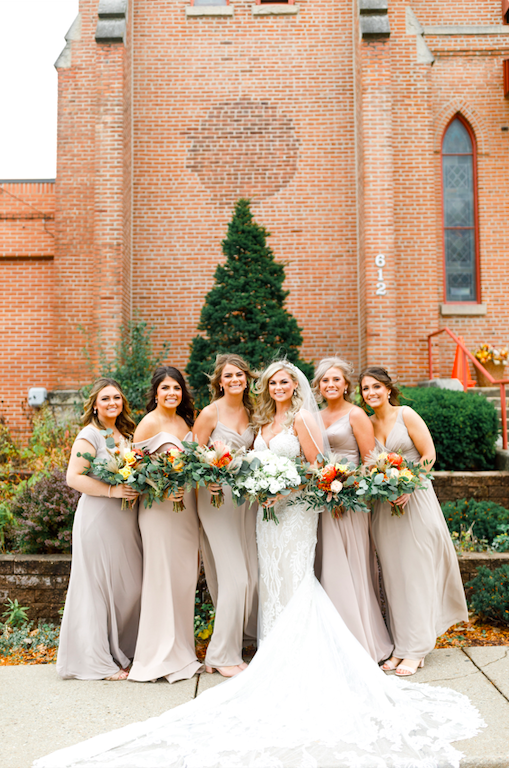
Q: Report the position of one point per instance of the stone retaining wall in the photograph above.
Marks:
(37, 581)
(483, 486)
(40, 581)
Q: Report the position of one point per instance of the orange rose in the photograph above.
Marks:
(395, 459)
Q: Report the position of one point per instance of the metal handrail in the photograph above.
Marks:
(466, 353)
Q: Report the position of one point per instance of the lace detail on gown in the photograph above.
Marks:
(311, 697)
(286, 552)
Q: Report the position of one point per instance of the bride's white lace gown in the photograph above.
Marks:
(311, 698)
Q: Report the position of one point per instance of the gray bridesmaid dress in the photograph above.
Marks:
(165, 646)
(228, 543)
(347, 558)
(102, 608)
(420, 567)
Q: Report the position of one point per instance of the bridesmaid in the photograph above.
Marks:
(344, 543)
(100, 622)
(165, 646)
(419, 565)
(228, 533)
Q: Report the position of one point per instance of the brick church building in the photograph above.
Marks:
(372, 137)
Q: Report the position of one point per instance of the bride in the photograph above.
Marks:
(312, 697)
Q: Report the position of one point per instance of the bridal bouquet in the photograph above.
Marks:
(335, 486)
(217, 463)
(388, 476)
(162, 474)
(266, 476)
(121, 465)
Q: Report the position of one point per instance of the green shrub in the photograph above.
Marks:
(486, 515)
(501, 542)
(464, 426)
(44, 511)
(133, 364)
(25, 637)
(490, 594)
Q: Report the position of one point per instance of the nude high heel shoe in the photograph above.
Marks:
(407, 671)
(225, 671)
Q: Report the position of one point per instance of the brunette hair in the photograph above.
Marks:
(323, 366)
(186, 406)
(124, 422)
(215, 379)
(265, 405)
(381, 375)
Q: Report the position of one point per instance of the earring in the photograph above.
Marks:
(221, 390)
(95, 411)
(345, 392)
(155, 400)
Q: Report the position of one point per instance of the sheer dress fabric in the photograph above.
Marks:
(165, 645)
(102, 607)
(348, 561)
(311, 698)
(421, 575)
(228, 545)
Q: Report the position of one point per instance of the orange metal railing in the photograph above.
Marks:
(466, 353)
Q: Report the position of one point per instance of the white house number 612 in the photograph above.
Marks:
(381, 288)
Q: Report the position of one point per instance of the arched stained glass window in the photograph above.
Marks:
(459, 211)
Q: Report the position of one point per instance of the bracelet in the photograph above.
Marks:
(109, 491)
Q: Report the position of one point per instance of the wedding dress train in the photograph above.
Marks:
(311, 698)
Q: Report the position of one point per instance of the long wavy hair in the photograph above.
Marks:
(186, 406)
(323, 366)
(265, 405)
(381, 375)
(215, 380)
(124, 422)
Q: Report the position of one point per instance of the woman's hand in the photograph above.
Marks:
(177, 496)
(123, 491)
(273, 500)
(214, 488)
(401, 500)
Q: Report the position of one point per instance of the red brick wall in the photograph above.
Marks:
(335, 138)
(26, 299)
(268, 96)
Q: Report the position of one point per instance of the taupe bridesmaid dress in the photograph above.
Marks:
(102, 608)
(419, 564)
(346, 559)
(165, 646)
(230, 562)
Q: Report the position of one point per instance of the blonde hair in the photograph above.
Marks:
(333, 362)
(265, 405)
(215, 380)
(124, 422)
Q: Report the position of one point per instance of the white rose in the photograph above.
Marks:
(393, 472)
(336, 486)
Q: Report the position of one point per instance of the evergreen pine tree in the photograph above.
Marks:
(244, 312)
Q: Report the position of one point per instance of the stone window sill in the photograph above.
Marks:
(448, 310)
(275, 9)
(209, 10)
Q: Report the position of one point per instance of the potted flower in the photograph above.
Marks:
(494, 360)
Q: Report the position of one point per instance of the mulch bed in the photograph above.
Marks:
(472, 633)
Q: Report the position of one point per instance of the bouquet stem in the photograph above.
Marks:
(269, 514)
(178, 506)
(217, 499)
(397, 510)
(337, 512)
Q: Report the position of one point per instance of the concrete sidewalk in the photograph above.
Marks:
(40, 713)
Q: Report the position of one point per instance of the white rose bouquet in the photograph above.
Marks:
(265, 476)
